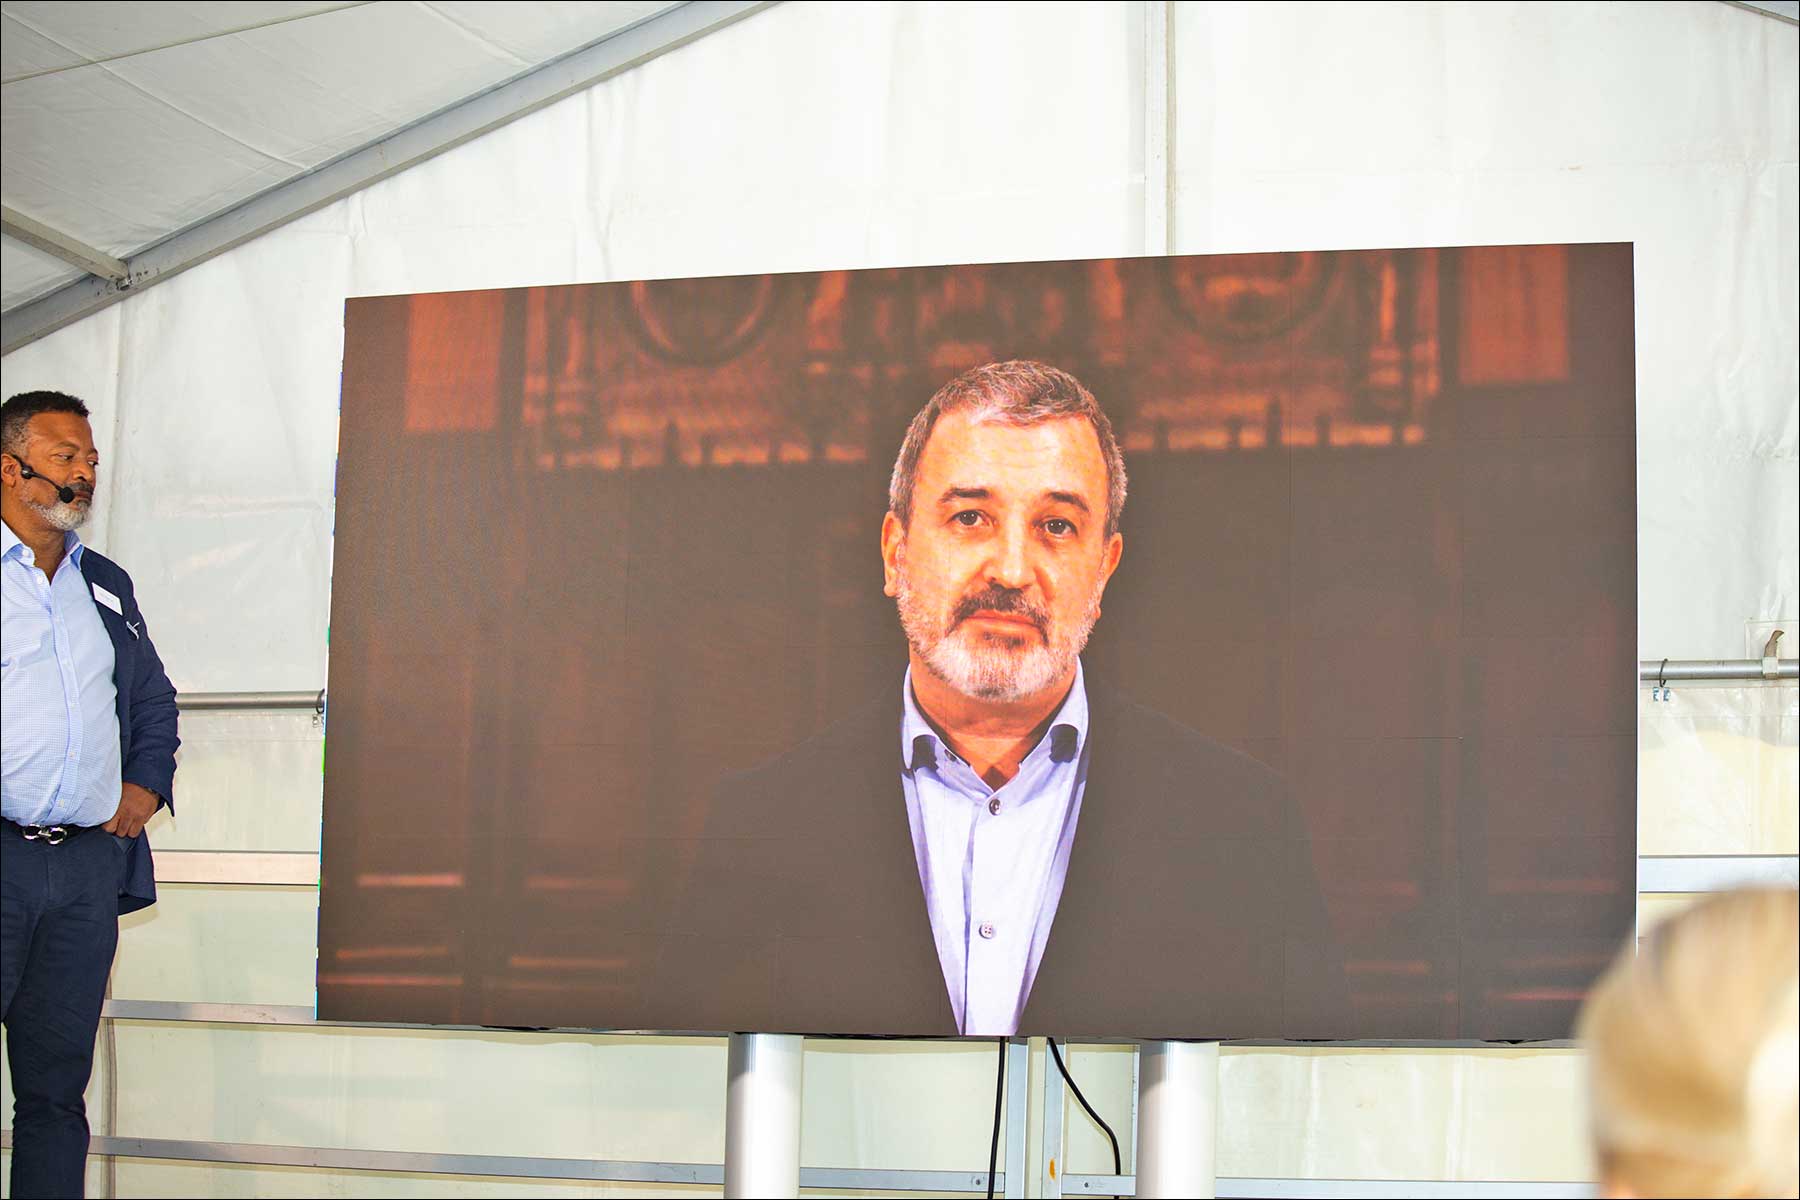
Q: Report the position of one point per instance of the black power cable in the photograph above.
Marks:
(999, 1095)
(1118, 1163)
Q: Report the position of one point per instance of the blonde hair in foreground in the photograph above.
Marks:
(1693, 1045)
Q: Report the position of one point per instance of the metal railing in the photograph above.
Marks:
(249, 701)
(1650, 670)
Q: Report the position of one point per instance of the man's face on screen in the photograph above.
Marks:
(999, 573)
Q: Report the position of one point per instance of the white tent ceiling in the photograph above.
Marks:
(127, 122)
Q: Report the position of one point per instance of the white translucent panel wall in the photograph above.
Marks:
(1717, 770)
(1422, 1114)
(259, 777)
(826, 136)
(1672, 126)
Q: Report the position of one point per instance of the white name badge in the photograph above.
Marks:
(107, 598)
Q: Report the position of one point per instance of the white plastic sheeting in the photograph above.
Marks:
(1719, 770)
(1672, 126)
(127, 122)
(817, 136)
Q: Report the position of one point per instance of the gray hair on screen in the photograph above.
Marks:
(1018, 392)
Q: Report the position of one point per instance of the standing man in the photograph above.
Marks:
(87, 755)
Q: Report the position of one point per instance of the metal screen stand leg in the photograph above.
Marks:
(1018, 1108)
(1178, 1104)
(1050, 1170)
(762, 1115)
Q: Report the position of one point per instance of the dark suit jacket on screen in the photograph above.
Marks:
(1190, 909)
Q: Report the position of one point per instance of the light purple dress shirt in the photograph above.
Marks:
(992, 862)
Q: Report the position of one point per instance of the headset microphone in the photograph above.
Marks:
(64, 493)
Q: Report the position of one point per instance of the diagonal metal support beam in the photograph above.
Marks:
(55, 242)
(424, 139)
(1781, 10)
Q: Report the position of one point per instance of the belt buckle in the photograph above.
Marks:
(50, 835)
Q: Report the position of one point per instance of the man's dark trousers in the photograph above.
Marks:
(59, 927)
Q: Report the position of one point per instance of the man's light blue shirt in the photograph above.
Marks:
(59, 738)
(992, 862)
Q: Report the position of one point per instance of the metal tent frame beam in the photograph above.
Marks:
(332, 181)
(58, 244)
(1781, 10)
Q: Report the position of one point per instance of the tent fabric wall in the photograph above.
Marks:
(813, 136)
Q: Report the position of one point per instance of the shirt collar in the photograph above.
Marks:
(919, 742)
(11, 546)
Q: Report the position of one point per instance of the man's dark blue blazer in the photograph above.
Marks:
(147, 716)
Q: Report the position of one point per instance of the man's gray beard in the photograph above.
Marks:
(991, 672)
(61, 516)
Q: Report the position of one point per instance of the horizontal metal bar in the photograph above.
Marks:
(302, 1016)
(214, 1014)
(1108, 1185)
(1715, 872)
(1126, 1185)
(250, 701)
(300, 868)
(574, 72)
(407, 1162)
(873, 1179)
(291, 868)
(519, 1167)
(1409, 1189)
(1691, 670)
(1649, 671)
(1388, 1044)
(851, 1179)
(58, 244)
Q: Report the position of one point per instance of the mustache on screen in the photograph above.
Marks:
(997, 599)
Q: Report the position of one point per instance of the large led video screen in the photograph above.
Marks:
(1235, 646)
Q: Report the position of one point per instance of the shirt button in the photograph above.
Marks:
(986, 930)
(994, 805)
